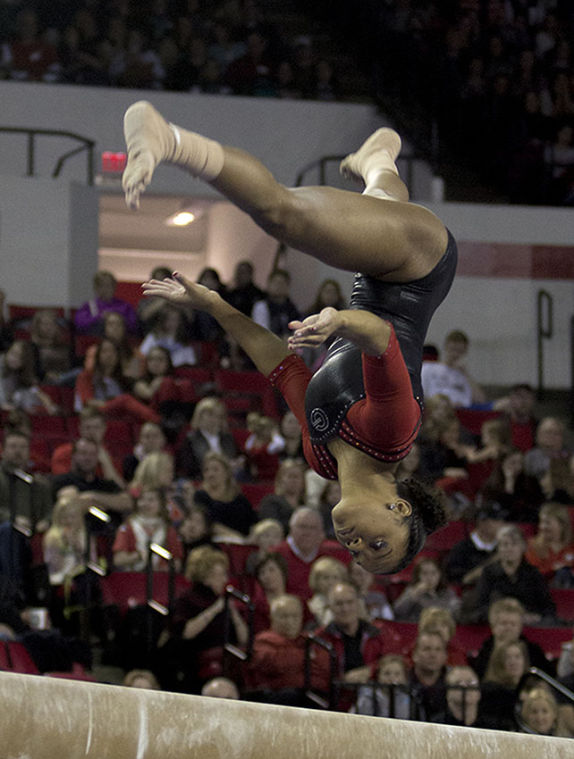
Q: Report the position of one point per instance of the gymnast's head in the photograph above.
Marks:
(385, 534)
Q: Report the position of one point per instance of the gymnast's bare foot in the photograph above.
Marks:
(379, 151)
(150, 140)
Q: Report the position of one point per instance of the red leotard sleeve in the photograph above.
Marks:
(389, 416)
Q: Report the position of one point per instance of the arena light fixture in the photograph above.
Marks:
(181, 219)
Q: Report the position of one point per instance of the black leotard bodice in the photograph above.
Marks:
(409, 306)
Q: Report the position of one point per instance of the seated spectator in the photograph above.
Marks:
(195, 529)
(288, 494)
(193, 652)
(441, 621)
(506, 620)
(506, 666)
(305, 542)
(427, 587)
(141, 678)
(519, 410)
(169, 333)
(277, 309)
(220, 687)
(19, 387)
(495, 437)
(148, 524)
(427, 677)
(93, 490)
(205, 327)
(150, 308)
(106, 382)
(372, 596)
(270, 572)
(539, 710)
(262, 448)
(445, 457)
(66, 540)
(151, 440)
(115, 330)
(329, 295)
(511, 576)
(462, 699)
(220, 496)
(552, 548)
(549, 446)
(450, 376)
(467, 559)
(278, 661)
(290, 430)
(391, 671)
(89, 317)
(325, 573)
(156, 472)
(519, 494)
(244, 293)
(53, 350)
(157, 385)
(265, 535)
(357, 643)
(92, 426)
(207, 432)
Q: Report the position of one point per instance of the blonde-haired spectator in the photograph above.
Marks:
(325, 573)
(208, 432)
(552, 549)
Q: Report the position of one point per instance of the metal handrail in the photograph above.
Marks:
(314, 640)
(572, 370)
(87, 145)
(545, 330)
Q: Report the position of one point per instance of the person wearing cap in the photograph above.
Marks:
(467, 559)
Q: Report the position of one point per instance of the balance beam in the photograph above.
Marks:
(50, 718)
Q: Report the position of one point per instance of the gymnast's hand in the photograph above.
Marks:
(181, 291)
(315, 329)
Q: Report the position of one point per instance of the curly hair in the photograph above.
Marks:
(428, 514)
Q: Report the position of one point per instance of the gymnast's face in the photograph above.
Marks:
(375, 533)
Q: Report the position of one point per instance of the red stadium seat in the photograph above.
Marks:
(15, 657)
(550, 639)
(471, 637)
(128, 589)
(255, 491)
(472, 420)
(564, 600)
(445, 538)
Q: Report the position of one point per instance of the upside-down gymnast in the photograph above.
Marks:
(361, 411)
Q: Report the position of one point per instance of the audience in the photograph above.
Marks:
(506, 666)
(220, 687)
(288, 494)
(207, 432)
(276, 310)
(325, 572)
(427, 677)
(450, 376)
(378, 702)
(552, 548)
(427, 587)
(88, 319)
(462, 699)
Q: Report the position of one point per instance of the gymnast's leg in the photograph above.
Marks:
(378, 232)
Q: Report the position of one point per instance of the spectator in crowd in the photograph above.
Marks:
(325, 572)
(158, 386)
(195, 529)
(466, 560)
(519, 410)
(270, 572)
(169, 333)
(511, 576)
(462, 699)
(149, 524)
(115, 329)
(377, 702)
(506, 620)
(141, 678)
(18, 381)
(205, 327)
(194, 651)
(549, 446)
(264, 536)
(220, 496)
(288, 494)
(450, 376)
(156, 472)
(92, 426)
(244, 293)
(25, 508)
(519, 493)
(88, 318)
(290, 430)
(437, 619)
(207, 433)
(277, 664)
(53, 349)
(506, 666)
(151, 439)
(427, 677)
(372, 596)
(276, 310)
(305, 543)
(93, 490)
(357, 643)
(552, 548)
(263, 447)
(427, 587)
(539, 710)
(65, 543)
(149, 308)
(220, 687)
(32, 57)
(329, 294)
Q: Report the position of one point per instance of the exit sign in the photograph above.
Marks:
(113, 163)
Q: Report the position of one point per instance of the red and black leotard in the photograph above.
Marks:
(371, 402)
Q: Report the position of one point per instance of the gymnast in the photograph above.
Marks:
(361, 411)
